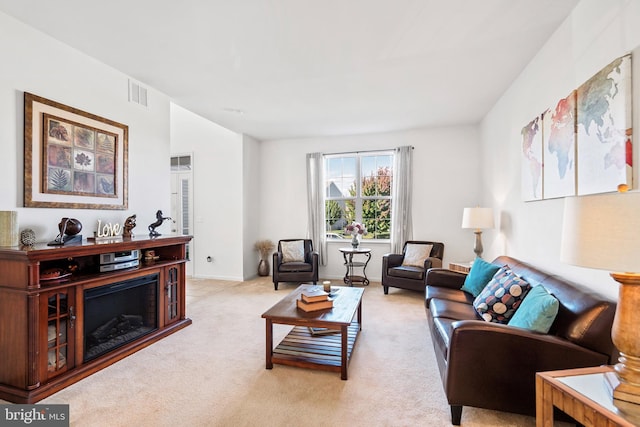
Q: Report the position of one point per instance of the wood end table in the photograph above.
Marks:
(583, 395)
(462, 267)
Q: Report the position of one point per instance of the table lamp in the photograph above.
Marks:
(603, 231)
(477, 218)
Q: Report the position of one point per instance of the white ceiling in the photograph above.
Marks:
(293, 68)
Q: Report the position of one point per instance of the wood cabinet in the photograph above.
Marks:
(45, 323)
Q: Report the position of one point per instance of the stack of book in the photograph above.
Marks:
(313, 300)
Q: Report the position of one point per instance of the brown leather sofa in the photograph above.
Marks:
(493, 366)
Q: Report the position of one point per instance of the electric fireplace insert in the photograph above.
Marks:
(119, 313)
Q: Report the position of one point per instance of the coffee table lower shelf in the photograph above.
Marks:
(300, 348)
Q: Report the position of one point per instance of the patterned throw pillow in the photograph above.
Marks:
(415, 254)
(292, 251)
(502, 296)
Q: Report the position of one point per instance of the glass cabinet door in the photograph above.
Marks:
(172, 295)
(60, 320)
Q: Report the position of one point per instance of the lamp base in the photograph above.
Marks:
(477, 247)
(626, 401)
(621, 391)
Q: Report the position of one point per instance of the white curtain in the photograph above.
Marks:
(401, 222)
(315, 204)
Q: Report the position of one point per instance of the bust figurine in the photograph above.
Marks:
(129, 224)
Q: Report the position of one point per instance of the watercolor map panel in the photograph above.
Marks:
(532, 160)
(604, 129)
(559, 142)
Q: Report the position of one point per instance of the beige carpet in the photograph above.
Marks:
(212, 373)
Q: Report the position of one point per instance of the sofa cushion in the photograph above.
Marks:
(537, 311)
(295, 266)
(441, 334)
(447, 294)
(415, 254)
(502, 296)
(407, 272)
(292, 251)
(452, 310)
(480, 274)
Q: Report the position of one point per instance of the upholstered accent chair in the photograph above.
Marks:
(295, 261)
(408, 270)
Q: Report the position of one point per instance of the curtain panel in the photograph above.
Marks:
(401, 221)
(315, 205)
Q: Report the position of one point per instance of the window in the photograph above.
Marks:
(181, 163)
(358, 188)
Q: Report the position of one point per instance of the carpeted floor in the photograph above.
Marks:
(212, 373)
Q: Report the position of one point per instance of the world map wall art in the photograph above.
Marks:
(583, 144)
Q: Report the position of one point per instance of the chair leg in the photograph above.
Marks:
(386, 290)
(275, 285)
(456, 414)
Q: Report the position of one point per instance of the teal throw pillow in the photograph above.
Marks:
(537, 312)
(480, 274)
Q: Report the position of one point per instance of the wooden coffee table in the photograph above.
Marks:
(302, 348)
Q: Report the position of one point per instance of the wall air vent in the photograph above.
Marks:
(137, 93)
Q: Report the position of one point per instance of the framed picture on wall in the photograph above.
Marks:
(73, 159)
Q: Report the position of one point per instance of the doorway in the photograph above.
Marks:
(182, 201)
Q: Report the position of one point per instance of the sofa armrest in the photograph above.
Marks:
(314, 259)
(445, 278)
(432, 262)
(481, 352)
(277, 259)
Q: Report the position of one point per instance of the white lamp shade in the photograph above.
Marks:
(477, 218)
(602, 231)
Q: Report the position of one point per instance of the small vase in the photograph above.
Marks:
(355, 242)
(263, 268)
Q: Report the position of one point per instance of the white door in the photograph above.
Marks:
(182, 202)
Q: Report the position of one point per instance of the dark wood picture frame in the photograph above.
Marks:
(73, 159)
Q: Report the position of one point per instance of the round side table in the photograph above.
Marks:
(350, 278)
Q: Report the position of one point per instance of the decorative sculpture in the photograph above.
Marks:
(157, 223)
(129, 224)
(69, 229)
(27, 237)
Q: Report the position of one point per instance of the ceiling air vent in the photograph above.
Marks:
(137, 93)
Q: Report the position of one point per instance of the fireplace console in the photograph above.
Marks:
(63, 319)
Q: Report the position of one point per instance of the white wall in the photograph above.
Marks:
(251, 167)
(593, 35)
(34, 62)
(446, 179)
(218, 193)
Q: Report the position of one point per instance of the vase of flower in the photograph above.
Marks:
(355, 242)
(356, 230)
(264, 247)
